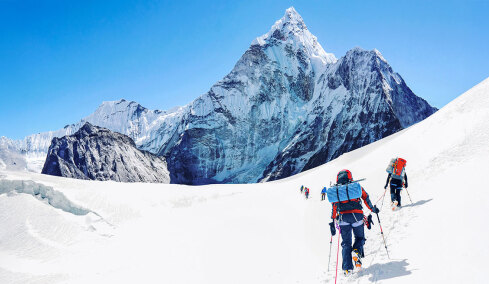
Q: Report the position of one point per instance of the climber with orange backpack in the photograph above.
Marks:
(398, 180)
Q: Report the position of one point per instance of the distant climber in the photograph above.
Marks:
(307, 192)
(323, 194)
(398, 179)
(302, 188)
(349, 216)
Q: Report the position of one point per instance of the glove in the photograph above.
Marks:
(375, 209)
(366, 222)
(369, 221)
(332, 228)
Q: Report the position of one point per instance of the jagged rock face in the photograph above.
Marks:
(361, 100)
(98, 154)
(235, 130)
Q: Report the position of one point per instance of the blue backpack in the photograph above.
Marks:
(344, 192)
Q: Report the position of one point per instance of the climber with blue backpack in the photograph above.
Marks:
(347, 211)
(323, 194)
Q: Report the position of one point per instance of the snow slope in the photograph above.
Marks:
(59, 230)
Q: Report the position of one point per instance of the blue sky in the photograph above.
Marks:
(60, 59)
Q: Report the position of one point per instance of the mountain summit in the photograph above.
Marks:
(291, 31)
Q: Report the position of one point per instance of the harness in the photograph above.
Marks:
(356, 224)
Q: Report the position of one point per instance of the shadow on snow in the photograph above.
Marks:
(382, 271)
(418, 203)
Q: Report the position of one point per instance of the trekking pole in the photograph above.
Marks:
(330, 243)
(382, 233)
(409, 196)
(337, 254)
(383, 197)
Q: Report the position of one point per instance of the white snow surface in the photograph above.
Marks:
(59, 230)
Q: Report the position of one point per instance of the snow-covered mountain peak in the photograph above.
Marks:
(291, 21)
(365, 61)
(111, 107)
(291, 32)
(122, 102)
(360, 52)
(88, 129)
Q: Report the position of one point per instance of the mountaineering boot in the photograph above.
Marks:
(357, 259)
(394, 205)
(347, 272)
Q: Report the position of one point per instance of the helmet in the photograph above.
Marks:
(344, 177)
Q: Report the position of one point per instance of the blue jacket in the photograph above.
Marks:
(324, 190)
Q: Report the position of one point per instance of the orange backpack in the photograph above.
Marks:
(396, 168)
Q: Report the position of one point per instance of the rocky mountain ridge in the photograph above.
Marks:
(97, 153)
